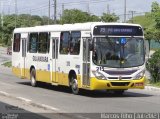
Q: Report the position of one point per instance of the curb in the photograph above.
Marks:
(152, 88)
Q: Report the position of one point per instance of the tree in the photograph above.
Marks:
(109, 17)
(78, 16)
(149, 35)
(94, 18)
(23, 20)
(156, 35)
(155, 10)
(154, 7)
(74, 16)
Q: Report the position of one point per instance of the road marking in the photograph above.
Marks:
(82, 117)
(36, 104)
(4, 93)
(24, 99)
(49, 107)
(30, 101)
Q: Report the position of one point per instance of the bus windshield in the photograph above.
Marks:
(118, 52)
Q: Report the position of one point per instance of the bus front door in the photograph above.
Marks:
(23, 65)
(54, 75)
(86, 62)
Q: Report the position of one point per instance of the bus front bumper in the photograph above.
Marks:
(97, 84)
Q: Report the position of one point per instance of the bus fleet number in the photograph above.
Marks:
(100, 68)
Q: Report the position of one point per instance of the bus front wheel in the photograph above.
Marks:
(74, 85)
(33, 77)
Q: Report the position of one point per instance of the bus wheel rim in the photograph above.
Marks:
(33, 80)
(74, 85)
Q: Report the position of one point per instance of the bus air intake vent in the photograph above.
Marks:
(120, 83)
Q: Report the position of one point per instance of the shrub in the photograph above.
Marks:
(153, 65)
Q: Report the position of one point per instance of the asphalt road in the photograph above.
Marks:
(60, 99)
(13, 107)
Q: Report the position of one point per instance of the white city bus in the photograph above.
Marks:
(93, 56)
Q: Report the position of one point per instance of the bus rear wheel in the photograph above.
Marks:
(33, 78)
(74, 85)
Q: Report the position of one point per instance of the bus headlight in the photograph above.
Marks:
(140, 75)
(99, 75)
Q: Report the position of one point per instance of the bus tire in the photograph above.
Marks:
(74, 85)
(33, 77)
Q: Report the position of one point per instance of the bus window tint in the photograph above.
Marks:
(43, 43)
(16, 43)
(64, 42)
(74, 46)
(33, 42)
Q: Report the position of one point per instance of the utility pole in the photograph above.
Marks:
(62, 9)
(29, 17)
(1, 2)
(88, 6)
(55, 11)
(49, 13)
(15, 13)
(132, 13)
(125, 10)
(108, 9)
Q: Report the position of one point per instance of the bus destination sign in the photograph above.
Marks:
(118, 30)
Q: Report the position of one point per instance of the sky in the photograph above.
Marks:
(96, 7)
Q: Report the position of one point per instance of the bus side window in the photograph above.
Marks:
(33, 38)
(16, 42)
(64, 42)
(43, 46)
(74, 47)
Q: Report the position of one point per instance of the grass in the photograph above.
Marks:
(151, 83)
(7, 64)
(157, 84)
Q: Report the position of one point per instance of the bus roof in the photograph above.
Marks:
(65, 27)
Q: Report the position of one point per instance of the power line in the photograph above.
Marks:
(64, 4)
(132, 13)
(80, 2)
(136, 13)
(35, 9)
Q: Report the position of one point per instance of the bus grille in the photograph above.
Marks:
(120, 83)
(118, 78)
(120, 72)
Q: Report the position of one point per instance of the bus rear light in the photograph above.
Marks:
(139, 84)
